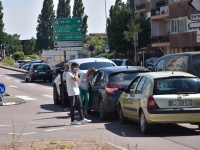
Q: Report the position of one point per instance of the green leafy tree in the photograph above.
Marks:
(18, 56)
(130, 4)
(99, 44)
(1, 20)
(64, 9)
(78, 12)
(67, 9)
(45, 26)
(31, 45)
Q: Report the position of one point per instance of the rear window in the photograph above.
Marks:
(19, 61)
(122, 76)
(176, 85)
(96, 65)
(41, 67)
(117, 62)
(196, 63)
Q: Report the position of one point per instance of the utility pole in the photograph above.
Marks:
(106, 28)
(135, 40)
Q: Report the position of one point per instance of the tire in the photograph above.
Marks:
(199, 126)
(102, 113)
(30, 79)
(26, 80)
(144, 126)
(55, 96)
(122, 118)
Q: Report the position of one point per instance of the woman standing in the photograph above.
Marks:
(83, 87)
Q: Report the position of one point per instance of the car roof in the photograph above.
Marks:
(84, 60)
(165, 74)
(123, 68)
(39, 64)
(181, 54)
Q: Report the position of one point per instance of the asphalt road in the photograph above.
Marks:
(40, 119)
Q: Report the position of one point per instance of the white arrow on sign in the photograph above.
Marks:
(56, 37)
(195, 4)
(194, 25)
(78, 21)
(194, 17)
(79, 29)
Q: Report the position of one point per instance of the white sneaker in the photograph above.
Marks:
(75, 123)
(85, 121)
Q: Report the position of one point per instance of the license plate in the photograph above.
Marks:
(180, 103)
(42, 72)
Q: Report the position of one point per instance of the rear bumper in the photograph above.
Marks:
(110, 103)
(42, 76)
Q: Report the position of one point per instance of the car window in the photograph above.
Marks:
(173, 85)
(96, 65)
(118, 62)
(41, 67)
(196, 63)
(177, 63)
(141, 86)
(99, 77)
(129, 63)
(160, 65)
(133, 84)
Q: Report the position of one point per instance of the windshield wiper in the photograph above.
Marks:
(186, 92)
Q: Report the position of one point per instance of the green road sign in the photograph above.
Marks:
(67, 29)
(64, 37)
(67, 21)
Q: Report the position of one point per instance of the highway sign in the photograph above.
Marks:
(68, 43)
(194, 25)
(107, 48)
(67, 21)
(67, 29)
(194, 17)
(64, 37)
(91, 48)
(195, 4)
(69, 48)
(2, 88)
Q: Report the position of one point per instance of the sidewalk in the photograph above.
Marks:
(12, 68)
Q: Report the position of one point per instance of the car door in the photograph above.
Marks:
(128, 97)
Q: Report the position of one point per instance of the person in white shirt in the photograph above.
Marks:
(73, 92)
(85, 78)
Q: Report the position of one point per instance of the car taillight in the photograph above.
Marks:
(33, 72)
(151, 102)
(111, 88)
(188, 71)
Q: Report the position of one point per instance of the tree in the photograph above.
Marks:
(64, 9)
(31, 45)
(130, 4)
(78, 12)
(45, 26)
(1, 20)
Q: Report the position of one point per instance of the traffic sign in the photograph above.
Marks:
(67, 29)
(69, 48)
(67, 21)
(68, 43)
(195, 4)
(194, 25)
(64, 37)
(194, 17)
(2, 88)
(107, 48)
(91, 48)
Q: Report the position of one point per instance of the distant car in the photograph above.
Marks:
(161, 98)
(123, 62)
(25, 67)
(104, 93)
(32, 62)
(56, 69)
(18, 63)
(151, 61)
(85, 64)
(38, 71)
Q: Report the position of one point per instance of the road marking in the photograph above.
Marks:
(38, 122)
(82, 126)
(31, 84)
(13, 86)
(22, 133)
(50, 96)
(54, 129)
(17, 81)
(3, 125)
(26, 98)
(7, 78)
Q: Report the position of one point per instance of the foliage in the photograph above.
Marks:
(99, 44)
(18, 56)
(78, 12)
(33, 56)
(45, 26)
(64, 9)
(1, 20)
(31, 45)
(130, 4)
(8, 62)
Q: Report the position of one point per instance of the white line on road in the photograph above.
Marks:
(13, 86)
(7, 77)
(50, 96)
(31, 84)
(54, 129)
(82, 126)
(17, 81)
(26, 98)
(22, 133)
(38, 122)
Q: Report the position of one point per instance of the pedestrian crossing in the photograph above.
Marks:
(28, 98)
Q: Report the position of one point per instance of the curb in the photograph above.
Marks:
(114, 145)
(12, 68)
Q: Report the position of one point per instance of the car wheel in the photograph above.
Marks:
(199, 126)
(30, 79)
(122, 118)
(26, 80)
(144, 126)
(102, 112)
(55, 95)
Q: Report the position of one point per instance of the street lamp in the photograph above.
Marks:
(106, 27)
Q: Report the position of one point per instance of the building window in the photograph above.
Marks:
(182, 24)
(57, 58)
(173, 25)
(72, 57)
(167, 27)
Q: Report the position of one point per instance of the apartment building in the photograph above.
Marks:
(169, 25)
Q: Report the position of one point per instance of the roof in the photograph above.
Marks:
(124, 68)
(83, 60)
(183, 53)
(164, 74)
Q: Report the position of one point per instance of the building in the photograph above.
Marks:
(169, 25)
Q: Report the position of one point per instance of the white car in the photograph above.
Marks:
(84, 65)
(123, 62)
(18, 63)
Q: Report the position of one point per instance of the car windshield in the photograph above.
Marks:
(196, 63)
(96, 65)
(153, 60)
(122, 76)
(176, 85)
(118, 62)
(41, 67)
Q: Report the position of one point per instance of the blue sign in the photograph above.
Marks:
(7, 45)
(91, 48)
(2, 88)
(107, 48)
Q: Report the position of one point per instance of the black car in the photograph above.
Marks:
(103, 89)
(151, 61)
(38, 71)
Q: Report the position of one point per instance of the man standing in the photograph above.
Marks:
(73, 92)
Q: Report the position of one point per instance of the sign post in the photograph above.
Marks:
(107, 50)
(2, 91)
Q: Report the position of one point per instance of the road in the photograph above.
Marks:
(40, 119)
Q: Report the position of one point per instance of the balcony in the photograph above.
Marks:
(139, 8)
(160, 12)
(160, 41)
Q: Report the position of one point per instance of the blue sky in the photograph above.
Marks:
(20, 16)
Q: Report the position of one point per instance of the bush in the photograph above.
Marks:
(18, 56)
(8, 62)
(34, 56)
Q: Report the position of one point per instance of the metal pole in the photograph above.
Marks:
(135, 53)
(65, 57)
(106, 27)
(143, 58)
